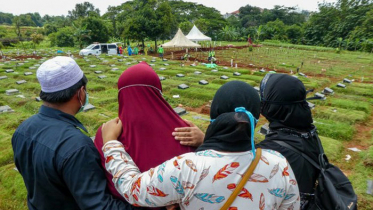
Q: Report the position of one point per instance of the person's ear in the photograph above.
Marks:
(80, 94)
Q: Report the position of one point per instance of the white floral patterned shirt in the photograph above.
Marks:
(205, 180)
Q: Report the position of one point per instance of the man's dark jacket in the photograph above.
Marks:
(60, 165)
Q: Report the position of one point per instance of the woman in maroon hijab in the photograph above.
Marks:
(148, 121)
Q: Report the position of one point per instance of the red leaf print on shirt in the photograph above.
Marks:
(187, 185)
(264, 159)
(285, 171)
(124, 158)
(109, 158)
(258, 178)
(225, 171)
(291, 207)
(191, 165)
(232, 208)
(274, 170)
(262, 203)
(244, 192)
(204, 173)
(155, 191)
(176, 164)
(135, 190)
(151, 172)
(293, 181)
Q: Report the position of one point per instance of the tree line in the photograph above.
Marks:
(345, 24)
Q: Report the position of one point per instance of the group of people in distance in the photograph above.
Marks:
(130, 51)
(149, 157)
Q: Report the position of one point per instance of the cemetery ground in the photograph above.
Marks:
(344, 119)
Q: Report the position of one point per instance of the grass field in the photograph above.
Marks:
(344, 119)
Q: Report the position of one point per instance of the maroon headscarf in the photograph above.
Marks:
(148, 121)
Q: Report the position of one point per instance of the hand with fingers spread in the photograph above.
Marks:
(111, 130)
(189, 136)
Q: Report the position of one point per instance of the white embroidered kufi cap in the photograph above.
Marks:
(58, 73)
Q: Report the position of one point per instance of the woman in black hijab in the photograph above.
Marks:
(283, 103)
(231, 130)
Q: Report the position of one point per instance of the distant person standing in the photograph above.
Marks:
(57, 160)
(136, 50)
(250, 41)
(120, 50)
(129, 49)
(146, 50)
(161, 51)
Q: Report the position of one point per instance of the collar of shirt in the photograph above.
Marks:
(57, 114)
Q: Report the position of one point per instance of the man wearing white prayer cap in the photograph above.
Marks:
(59, 163)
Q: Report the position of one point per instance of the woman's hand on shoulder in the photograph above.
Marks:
(111, 130)
(189, 136)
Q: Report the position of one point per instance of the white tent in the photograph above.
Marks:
(180, 40)
(196, 35)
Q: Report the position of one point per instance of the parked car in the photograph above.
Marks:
(100, 48)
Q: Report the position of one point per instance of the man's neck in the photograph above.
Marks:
(62, 107)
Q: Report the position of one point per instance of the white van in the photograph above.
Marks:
(99, 48)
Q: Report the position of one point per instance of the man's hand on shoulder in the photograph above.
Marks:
(111, 130)
(189, 136)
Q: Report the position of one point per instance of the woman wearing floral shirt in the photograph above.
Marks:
(205, 179)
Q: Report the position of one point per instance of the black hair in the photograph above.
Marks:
(63, 96)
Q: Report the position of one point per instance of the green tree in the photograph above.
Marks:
(188, 11)
(112, 15)
(3, 32)
(294, 33)
(36, 39)
(65, 37)
(250, 16)
(202, 25)
(50, 28)
(275, 30)
(228, 33)
(6, 18)
(98, 31)
(259, 32)
(81, 33)
(17, 28)
(234, 21)
(186, 26)
(83, 10)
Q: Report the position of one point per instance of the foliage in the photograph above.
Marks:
(198, 13)
(36, 39)
(63, 38)
(6, 18)
(228, 33)
(83, 10)
(50, 28)
(93, 29)
(185, 26)
(340, 19)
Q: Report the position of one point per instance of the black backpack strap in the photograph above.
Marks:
(286, 145)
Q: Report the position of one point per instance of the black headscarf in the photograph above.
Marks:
(231, 131)
(284, 102)
(290, 120)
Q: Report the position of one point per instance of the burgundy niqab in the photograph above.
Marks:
(148, 121)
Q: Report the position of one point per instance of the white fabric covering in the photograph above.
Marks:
(180, 40)
(196, 35)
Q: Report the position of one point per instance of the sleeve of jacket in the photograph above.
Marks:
(86, 180)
